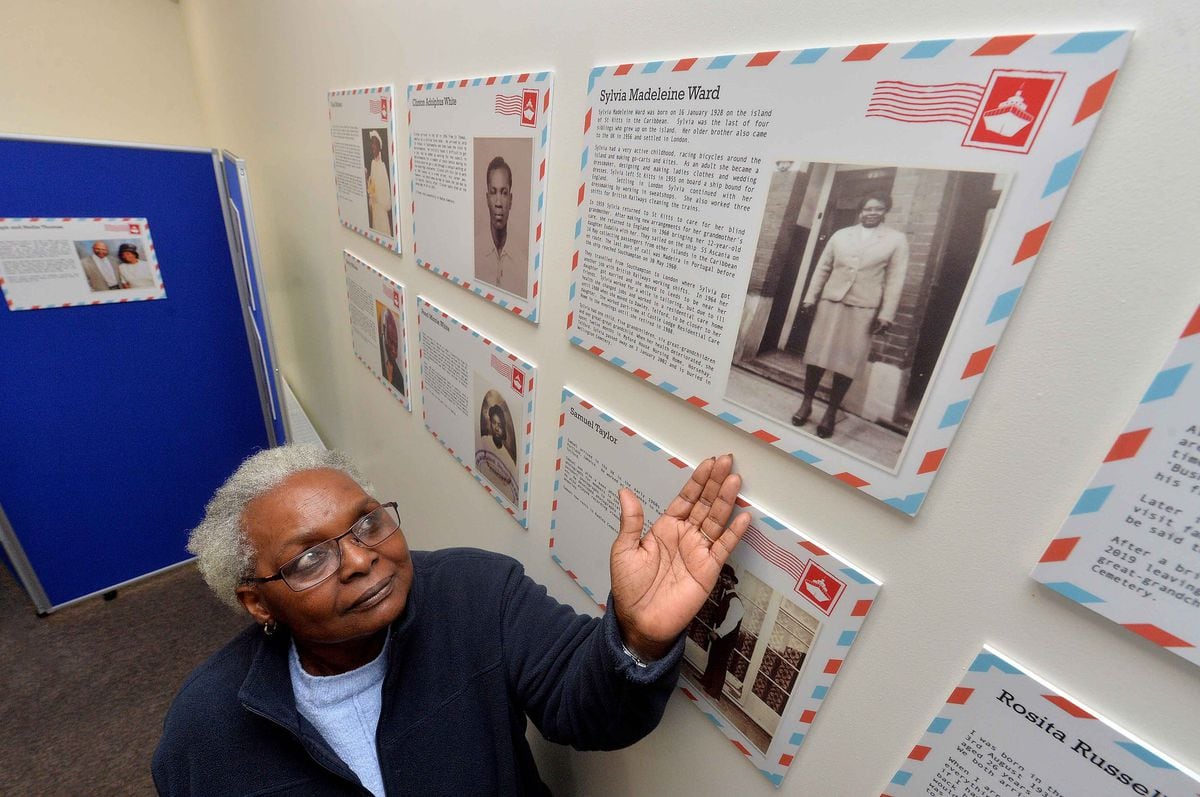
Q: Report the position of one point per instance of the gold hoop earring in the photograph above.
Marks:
(270, 627)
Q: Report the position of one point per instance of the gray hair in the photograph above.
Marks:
(220, 542)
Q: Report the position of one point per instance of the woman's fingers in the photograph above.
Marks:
(714, 488)
(633, 519)
(681, 506)
(729, 538)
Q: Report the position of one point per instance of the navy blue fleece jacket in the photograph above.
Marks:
(479, 648)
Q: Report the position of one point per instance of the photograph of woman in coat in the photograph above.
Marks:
(854, 293)
(858, 276)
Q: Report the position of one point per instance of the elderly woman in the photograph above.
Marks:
(855, 291)
(373, 669)
(133, 271)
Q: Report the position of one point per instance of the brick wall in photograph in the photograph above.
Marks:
(778, 225)
(918, 207)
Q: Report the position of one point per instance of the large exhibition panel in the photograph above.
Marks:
(121, 418)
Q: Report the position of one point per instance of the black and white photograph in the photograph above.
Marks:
(377, 165)
(858, 276)
(502, 212)
(496, 441)
(745, 650)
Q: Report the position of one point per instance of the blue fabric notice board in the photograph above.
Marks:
(237, 185)
(120, 420)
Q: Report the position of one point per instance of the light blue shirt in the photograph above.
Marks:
(344, 709)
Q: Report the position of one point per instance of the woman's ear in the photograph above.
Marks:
(248, 595)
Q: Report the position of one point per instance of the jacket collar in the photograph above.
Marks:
(267, 688)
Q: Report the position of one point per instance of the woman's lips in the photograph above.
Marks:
(373, 595)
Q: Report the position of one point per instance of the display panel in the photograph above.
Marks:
(377, 329)
(478, 168)
(68, 262)
(1004, 732)
(1130, 550)
(477, 400)
(362, 126)
(762, 653)
(822, 247)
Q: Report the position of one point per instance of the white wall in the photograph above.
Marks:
(1110, 292)
(107, 69)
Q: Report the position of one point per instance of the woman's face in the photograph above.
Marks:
(497, 427)
(129, 256)
(873, 213)
(367, 592)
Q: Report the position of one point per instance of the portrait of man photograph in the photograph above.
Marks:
(98, 266)
(502, 213)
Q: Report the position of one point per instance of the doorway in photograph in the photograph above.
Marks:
(937, 222)
(773, 640)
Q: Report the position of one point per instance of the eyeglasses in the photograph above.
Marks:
(322, 560)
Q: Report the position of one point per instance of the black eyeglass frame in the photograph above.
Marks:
(337, 541)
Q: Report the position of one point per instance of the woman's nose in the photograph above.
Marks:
(356, 557)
